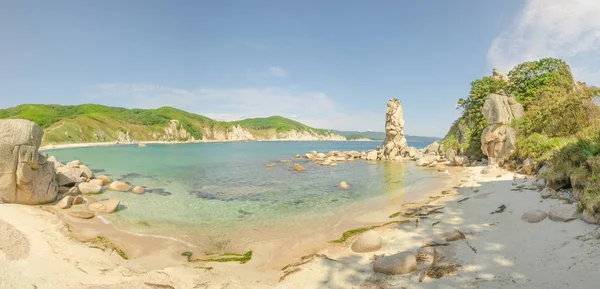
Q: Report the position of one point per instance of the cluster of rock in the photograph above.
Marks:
(331, 158)
(407, 262)
(567, 211)
(28, 177)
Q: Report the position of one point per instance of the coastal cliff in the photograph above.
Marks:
(91, 123)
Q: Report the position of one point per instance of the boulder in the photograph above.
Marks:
(63, 189)
(397, 264)
(74, 191)
(55, 162)
(534, 216)
(459, 161)
(74, 164)
(371, 155)
(96, 182)
(321, 156)
(78, 200)
(81, 214)
(369, 241)
(138, 190)
(86, 172)
(65, 202)
(590, 219)
(547, 193)
(563, 213)
(298, 167)
(88, 188)
(394, 144)
(119, 186)
(68, 176)
(313, 153)
(107, 206)
(344, 185)
(441, 168)
(450, 154)
(422, 162)
(433, 148)
(498, 139)
(105, 180)
(26, 177)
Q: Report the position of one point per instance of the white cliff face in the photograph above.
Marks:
(498, 139)
(294, 135)
(175, 132)
(394, 145)
(124, 138)
(239, 133)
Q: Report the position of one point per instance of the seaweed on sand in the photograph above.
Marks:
(104, 243)
(225, 257)
(348, 234)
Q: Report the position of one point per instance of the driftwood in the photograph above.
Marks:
(467, 242)
(435, 223)
(433, 263)
(162, 286)
(293, 268)
(290, 272)
(462, 200)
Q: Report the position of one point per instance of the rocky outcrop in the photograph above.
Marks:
(238, 133)
(25, 175)
(174, 131)
(124, 138)
(498, 139)
(394, 144)
(499, 75)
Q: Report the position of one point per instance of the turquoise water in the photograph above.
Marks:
(219, 188)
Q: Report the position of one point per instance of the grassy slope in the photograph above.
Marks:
(81, 123)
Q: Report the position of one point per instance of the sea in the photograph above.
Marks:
(202, 192)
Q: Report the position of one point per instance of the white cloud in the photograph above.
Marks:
(277, 71)
(569, 30)
(316, 109)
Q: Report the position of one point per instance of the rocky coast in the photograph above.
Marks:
(485, 228)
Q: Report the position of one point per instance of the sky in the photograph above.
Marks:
(328, 64)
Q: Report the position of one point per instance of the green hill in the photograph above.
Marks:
(98, 123)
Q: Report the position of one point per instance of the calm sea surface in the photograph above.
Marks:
(216, 189)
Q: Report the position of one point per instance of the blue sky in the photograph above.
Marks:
(329, 64)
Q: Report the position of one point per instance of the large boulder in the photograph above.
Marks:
(394, 144)
(26, 177)
(397, 264)
(89, 189)
(534, 216)
(563, 213)
(450, 154)
(369, 241)
(371, 155)
(498, 139)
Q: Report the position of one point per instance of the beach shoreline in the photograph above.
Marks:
(503, 259)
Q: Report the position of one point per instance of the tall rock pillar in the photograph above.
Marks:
(394, 145)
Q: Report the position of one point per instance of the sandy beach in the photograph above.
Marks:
(40, 250)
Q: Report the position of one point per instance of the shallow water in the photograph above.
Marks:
(224, 189)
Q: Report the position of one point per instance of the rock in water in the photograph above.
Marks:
(369, 241)
(498, 139)
(138, 190)
(298, 167)
(535, 216)
(344, 185)
(25, 175)
(87, 188)
(119, 186)
(105, 180)
(97, 182)
(394, 144)
(81, 214)
(563, 213)
(371, 155)
(397, 264)
(107, 206)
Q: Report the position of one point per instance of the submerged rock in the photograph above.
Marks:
(298, 167)
(81, 214)
(105, 180)
(397, 264)
(107, 206)
(96, 182)
(65, 202)
(160, 191)
(344, 185)
(369, 241)
(138, 190)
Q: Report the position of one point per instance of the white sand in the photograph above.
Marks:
(36, 251)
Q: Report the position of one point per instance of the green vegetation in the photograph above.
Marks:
(355, 137)
(98, 123)
(348, 234)
(225, 257)
(104, 243)
(561, 126)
